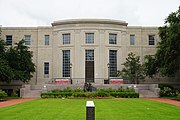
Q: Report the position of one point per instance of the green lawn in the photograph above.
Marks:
(106, 109)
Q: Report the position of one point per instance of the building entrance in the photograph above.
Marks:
(89, 66)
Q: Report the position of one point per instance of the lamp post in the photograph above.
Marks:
(108, 65)
(70, 66)
(0, 31)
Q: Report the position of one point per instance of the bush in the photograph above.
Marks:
(56, 95)
(3, 95)
(79, 94)
(78, 90)
(102, 94)
(68, 89)
(125, 94)
(167, 92)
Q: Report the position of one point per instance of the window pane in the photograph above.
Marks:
(132, 38)
(27, 39)
(151, 39)
(46, 69)
(89, 37)
(112, 63)
(66, 38)
(112, 38)
(89, 55)
(66, 63)
(46, 40)
(8, 39)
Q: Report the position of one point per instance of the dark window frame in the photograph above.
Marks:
(89, 38)
(151, 39)
(112, 63)
(8, 40)
(112, 38)
(66, 38)
(66, 63)
(132, 39)
(46, 39)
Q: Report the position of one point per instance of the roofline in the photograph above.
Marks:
(89, 21)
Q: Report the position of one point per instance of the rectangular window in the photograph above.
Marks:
(8, 39)
(46, 69)
(89, 55)
(132, 39)
(151, 39)
(89, 38)
(46, 39)
(66, 63)
(112, 38)
(66, 38)
(112, 63)
(27, 39)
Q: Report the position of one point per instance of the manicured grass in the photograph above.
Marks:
(106, 109)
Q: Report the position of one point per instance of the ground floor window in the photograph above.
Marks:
(66, 63)
(112, 63)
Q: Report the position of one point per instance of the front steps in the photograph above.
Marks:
(147, 94)
(33, 94)
(144, 90)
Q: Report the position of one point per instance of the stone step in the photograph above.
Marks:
(147, 94)
(33, 94)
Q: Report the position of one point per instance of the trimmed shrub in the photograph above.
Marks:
(102, 94)
(56, 95)
(79, 94)
(125, 94)
(3, 95)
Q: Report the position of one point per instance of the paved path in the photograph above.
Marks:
(14, 101)
(164, 100)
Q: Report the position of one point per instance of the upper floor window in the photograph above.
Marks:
(132, 39)
(112, 38)
(27, 39)
(8, 39)
(66, 38)
(151, 39)
(46, 39)
(89, 38)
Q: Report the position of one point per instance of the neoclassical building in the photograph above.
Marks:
(84, 50)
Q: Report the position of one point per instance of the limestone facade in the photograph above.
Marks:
(71, 35)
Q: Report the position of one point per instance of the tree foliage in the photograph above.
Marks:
(168, 53)
(132, 70)
(16, 62)
(150, 66)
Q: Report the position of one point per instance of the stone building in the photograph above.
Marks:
(84, 50)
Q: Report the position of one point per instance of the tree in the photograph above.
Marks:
(150, 66)
(16, 63)
(132, 70)
(6, 72)
(20, 60)
(168, 53)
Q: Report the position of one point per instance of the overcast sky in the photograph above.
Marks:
(44, 12)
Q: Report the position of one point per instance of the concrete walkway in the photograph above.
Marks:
(14, 101)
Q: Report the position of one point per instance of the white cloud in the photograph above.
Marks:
(44, 12)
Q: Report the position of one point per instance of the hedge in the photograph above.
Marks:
(90, 94)
(125, 94)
